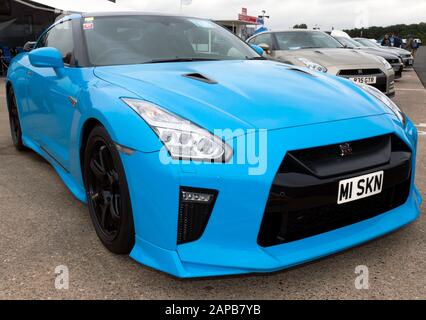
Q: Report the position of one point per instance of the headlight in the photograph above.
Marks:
(386, 100)
(312, 65)
(385, 63)
(183, 139)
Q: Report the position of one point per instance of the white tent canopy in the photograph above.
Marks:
(79, 5)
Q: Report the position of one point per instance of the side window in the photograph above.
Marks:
(263, 38)
(61, 38)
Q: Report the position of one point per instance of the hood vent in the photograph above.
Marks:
(290, 68)
(302, 71)
(199, 77)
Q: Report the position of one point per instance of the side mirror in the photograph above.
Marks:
(265, 47)
(46, 58)
(258, 49)
(29, 46)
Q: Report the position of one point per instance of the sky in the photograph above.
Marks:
(340, 14)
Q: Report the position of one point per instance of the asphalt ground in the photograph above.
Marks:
(42, 226)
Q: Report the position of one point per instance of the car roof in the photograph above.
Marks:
(282, 31)
(123, 13)
(294, 30)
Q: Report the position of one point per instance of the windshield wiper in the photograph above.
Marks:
(179, 60)
(311, 47)
(256, 58)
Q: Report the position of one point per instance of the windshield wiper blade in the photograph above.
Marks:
(180, 60)
(256, 58)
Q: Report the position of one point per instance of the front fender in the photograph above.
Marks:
(102, 102)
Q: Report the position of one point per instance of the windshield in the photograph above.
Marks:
(367, 43)
(122, 40)
(294, 40)
(350, 43)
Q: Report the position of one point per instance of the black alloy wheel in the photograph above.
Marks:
(15, 124)
(107, 193)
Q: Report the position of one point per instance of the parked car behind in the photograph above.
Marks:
(394, 59)
(321, 52)
(407, 57)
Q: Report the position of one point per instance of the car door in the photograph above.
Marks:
(54, 95)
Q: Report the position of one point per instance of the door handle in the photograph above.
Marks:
(29, 73)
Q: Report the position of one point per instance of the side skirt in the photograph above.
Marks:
(76, 190)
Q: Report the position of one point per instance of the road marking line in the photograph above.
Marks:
(420, 132)
(398, 89)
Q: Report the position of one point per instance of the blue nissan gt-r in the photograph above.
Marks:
(199, 157)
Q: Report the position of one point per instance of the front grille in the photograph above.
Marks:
(359, 72)
(303, 199)
(194, 215)
(393, 61)
(381, 79)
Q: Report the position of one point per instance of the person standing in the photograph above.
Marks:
(412, 45)
(397, 42)
(386, 41)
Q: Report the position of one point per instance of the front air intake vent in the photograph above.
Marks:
(199, 77)
(303, 199)
(195, 208)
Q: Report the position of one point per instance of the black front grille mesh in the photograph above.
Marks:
(360, 72)
(279, 227)
(303, 199)
(393, 61)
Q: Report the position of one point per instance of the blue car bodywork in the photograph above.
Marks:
(299, 109)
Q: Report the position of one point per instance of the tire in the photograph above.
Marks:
(14, 121)
(107, 193)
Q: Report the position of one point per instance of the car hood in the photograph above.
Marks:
(381, 53)
(398, 50)
(243, 94)
(328, 57)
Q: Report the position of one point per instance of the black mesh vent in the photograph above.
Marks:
(302, 203)
(393, 61)
(194, 216)
(360, 72)
(278, 228)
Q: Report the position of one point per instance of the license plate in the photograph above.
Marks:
(410, 62)
(364, 80)
(360, 187)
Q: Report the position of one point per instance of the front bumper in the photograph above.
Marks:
(398, 68)
(408, 61)
(229, 244)
(385, 79)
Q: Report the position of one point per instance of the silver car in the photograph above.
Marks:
(394, 59)
(321, 52)
(407, 57)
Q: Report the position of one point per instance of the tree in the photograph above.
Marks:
(403, 30)
(301, 26)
